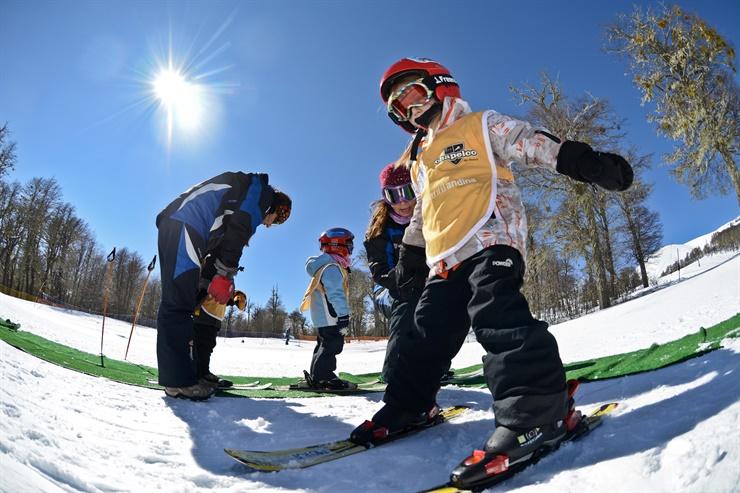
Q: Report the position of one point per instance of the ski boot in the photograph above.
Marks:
(217, 382)
(447, 376)
(392, 421)
(512, 449)
(198, 392)
(336, 384)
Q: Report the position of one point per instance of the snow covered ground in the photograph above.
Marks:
(675, 429)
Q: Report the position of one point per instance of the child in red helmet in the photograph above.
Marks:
(468, 232)
(327, 296)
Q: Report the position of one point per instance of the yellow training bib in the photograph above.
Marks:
(458, 173)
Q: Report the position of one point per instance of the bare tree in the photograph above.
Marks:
(276, 311)
(579, 207)
(11, 228)
(360, 288)
(641, 228)
(62, 228)
(40, 197)
(297, 322)
(7, 151)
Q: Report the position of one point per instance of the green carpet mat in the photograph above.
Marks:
(130, 373)
(652, 358)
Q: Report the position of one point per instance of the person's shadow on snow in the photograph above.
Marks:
(702, 388)
(272, 424)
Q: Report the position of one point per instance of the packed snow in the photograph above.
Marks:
(675, 428)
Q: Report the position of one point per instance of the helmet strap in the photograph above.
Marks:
(420, 133)
(426, 118)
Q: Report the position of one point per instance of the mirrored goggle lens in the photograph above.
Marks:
(407, 97)
(394, 195)
(349, 245)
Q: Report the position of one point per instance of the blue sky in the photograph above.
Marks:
(294, 93)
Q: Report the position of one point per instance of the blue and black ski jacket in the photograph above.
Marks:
(223, 212)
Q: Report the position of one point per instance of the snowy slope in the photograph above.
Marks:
(676, 429)
(668, 254)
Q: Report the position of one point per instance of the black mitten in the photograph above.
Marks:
(605, 169)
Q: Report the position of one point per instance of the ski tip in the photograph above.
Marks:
(605, 408)
(236, 455)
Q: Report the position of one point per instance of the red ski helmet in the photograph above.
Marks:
(337, 240)
(434, 76)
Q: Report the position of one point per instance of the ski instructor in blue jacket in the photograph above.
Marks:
(201, 237)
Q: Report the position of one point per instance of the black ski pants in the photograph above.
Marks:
(204, 340)
(402, 331)
(329, 343)
(180, 274)
(522, 365)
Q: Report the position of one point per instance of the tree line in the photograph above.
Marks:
(585, 248)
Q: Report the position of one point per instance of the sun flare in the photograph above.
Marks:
(183, 90)
(182, 101)
(170, 87)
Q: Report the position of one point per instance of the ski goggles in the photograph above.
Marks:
(349, 245)
(283, 213)
(401, 193)
(407, 97)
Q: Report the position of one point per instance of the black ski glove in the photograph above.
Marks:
(213, 266)
(411, 271)
(580, 162)
(343, 324)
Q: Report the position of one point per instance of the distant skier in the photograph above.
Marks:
(469, 232)
(206, 324)
(287, 336)
(201, 237)
(327, 296)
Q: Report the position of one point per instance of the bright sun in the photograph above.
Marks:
(170, 87)
(182, 100)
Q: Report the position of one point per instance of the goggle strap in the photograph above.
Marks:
(433, 81)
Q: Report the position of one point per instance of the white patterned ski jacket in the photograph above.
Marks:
(511, 141)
